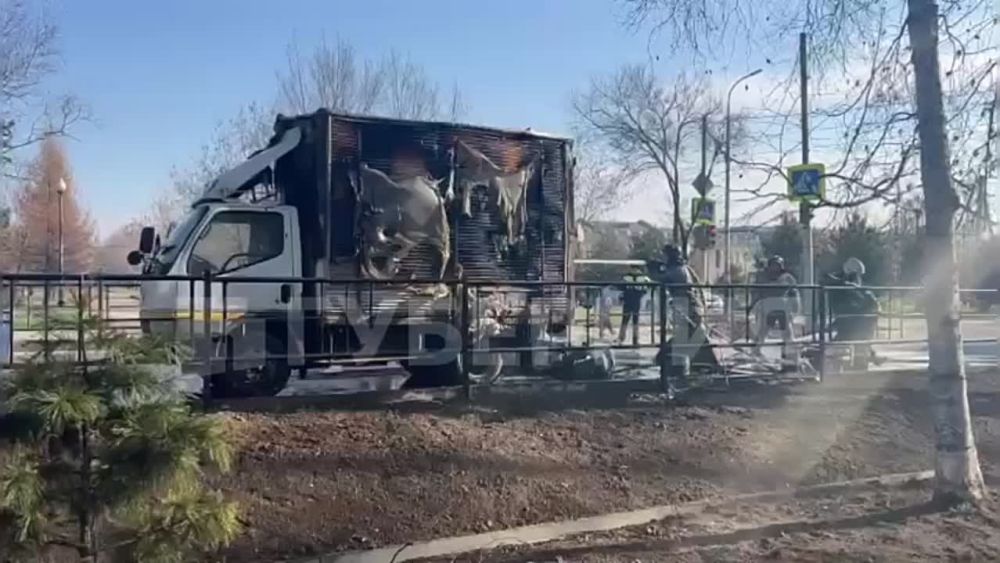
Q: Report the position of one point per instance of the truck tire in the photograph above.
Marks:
(450, 374)
(266, 380)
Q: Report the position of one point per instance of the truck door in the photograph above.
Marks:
(258, 244)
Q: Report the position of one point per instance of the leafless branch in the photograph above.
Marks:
(28, 55)
(335, 77)
(646, 127)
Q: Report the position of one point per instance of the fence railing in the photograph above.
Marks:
(351, 321)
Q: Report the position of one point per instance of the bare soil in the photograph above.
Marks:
(886, 525)
(311, 483)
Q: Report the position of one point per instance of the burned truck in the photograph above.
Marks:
(353, 238)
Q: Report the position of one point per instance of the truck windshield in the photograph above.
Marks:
(166, 255)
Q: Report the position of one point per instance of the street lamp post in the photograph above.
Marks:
(61, 190)
(728, 239)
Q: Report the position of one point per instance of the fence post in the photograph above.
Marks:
(100, 300)
(466, 338)
(822, 332)
(45, 321)
(191, 314)
(227, 343)
(80, 344)
(206, 316)
(10, 321)
(662, 355)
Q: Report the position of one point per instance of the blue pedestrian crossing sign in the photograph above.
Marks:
(807, 182)
(702, 211)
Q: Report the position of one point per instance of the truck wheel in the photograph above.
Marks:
(265, 380)
(450, 374)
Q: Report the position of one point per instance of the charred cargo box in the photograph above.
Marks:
(398, 205)
(505, 200)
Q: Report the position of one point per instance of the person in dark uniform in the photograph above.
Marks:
(632, 293)
(854, 310)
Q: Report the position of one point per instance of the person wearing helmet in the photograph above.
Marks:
(854, 310)
(777, 302)
(633, 290)
(687, 306)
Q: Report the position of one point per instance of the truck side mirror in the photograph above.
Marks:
(147, 237)
(134, 258)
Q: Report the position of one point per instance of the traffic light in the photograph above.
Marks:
(698, 236)
(710, 234)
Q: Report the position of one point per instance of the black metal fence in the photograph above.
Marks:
(349, 322)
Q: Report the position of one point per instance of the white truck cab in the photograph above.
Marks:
(227, 242)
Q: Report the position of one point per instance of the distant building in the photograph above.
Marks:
(612, 240)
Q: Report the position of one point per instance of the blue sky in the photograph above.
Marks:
(158, 76)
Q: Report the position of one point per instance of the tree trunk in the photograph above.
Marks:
(958, 476)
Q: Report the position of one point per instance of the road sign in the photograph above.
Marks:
(806, 182)
(702, 184)
(703, 211)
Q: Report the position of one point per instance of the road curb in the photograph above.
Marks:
(551, 531)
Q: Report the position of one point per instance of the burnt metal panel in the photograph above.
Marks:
(402, 148)
(406, 148)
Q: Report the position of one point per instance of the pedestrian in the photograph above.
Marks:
(777, 302)
(633, 291)
(605, 302)
(854, 310)
(687, 306)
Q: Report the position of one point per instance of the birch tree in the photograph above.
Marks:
(841, 30)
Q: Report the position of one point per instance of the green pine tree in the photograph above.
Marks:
(108, 458)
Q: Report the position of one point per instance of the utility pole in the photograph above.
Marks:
(805, 208)
(727, 241)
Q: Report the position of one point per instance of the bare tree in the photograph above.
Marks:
(331, 76)
(337, 78)
(232, 141)
(458, 107)
(599, 187)
(109, 256)
(410, 93)
(28, 55)
(841, 31)
(648, 127)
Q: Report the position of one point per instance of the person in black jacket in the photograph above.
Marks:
(632, 293)
(854, 309)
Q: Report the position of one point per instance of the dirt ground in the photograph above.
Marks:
(312, 483)
(886, 525)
